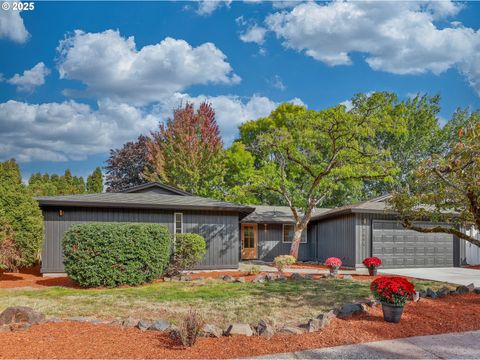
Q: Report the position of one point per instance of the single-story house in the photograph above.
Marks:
(237, 232)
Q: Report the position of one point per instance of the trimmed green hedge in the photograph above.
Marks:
(189, 251)
(112, 254)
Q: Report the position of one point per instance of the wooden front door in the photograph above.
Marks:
(249, 241)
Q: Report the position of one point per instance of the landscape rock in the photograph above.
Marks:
(431, 294)
(296, 277)
(228, 278)
(259, 279)
(347, 277)
(265, 329)
(81, 319)
(471, 287)
(53, 319)
(143, 325)
(291, 330)
(308, 277)
(21, 314)
(281, 278)
(422, 294)
(271, 277)
(130, 322)
(167, 278)
(461, 290)
(159, 325)
(476, 290)
(186, 278)
(210, 330)
(321, 322)
(239, 329)
(240, 279)
(443, 292)
(372, 303)
(348, 310)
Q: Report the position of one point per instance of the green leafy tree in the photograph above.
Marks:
(187, 152)
(305, 155)
(20, 211)
(447, 186)
(95, 181)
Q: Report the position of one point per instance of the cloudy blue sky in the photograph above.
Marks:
(78, 78)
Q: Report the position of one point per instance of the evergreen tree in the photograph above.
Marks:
(95, 181)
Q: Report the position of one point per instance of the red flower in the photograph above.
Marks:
(333, 262)
(372, 262)
(392, 289)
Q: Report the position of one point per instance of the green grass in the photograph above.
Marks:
(218, 301)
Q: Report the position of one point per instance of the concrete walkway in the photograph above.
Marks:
(464, 345)
(453, 275)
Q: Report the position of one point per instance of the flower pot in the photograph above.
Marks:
(372, 270)
(334, 270)
(392, 313)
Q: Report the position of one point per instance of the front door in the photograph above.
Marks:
(249, 241)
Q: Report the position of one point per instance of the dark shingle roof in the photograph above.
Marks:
(142, 200)
(376, 206)
(274, 214)
(156, 185)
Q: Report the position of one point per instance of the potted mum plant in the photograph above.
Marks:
(372, 263)
(393, 292)
(333, 264)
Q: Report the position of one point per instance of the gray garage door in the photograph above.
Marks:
(398, 247)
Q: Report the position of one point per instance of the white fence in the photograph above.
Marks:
(472, 251)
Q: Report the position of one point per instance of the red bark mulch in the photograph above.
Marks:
(476, 267)
(81, 340)
(31, 278)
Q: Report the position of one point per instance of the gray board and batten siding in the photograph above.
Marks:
(216, 221)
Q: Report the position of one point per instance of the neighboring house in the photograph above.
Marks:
(236, 232)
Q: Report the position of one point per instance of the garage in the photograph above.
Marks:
(399, 247)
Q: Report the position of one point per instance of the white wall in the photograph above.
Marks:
(472, 252)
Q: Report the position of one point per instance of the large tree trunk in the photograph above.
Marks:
(297, 238)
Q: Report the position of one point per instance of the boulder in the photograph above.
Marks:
(348, 310)
(21, 314)
(422, 294)
(239, 329)
(130, 322)
(240, 279)
(159, 325)
(271, 277)
(281, 278)
(461, 290)
(347, 277)
(471, 287)
(321, 322)
(210, 330)
(265, 329)
(259, 279)
(476, 290)
(431, 294)
(372, 303)
(443, 292)
(291, 330)
(228, 278)
(143, 325)
(53, 319)
(296, 277)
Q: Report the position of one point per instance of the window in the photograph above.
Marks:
(288, 234)
(178, 223)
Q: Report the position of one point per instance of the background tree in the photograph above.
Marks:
(187, 152)
(305, 155)
(20, 212)
(447, 186)
(54, 184)
(125, 166)
(95, 181)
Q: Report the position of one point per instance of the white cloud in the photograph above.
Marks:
(111, 66)
(255, 34)
(30, 78)
(277, 83)
(12, 26)
(397, 37)
(68, 130)
(207, 7)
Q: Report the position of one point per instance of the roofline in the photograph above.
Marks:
(96, 204)
(156, 184)
(352, 211)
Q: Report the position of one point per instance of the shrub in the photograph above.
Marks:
(189, 250)
(190, 329)
(372, 262)
(282, 261)
(333, 262)
(392, 290)
(112, 254)
(22, 213)
(253, 270)
(10, 256)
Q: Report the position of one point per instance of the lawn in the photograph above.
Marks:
(219, 302)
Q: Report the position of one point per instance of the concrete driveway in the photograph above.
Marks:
(459, 276)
